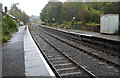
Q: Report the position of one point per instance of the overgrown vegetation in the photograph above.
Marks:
(8, 27)
(67, 14)
(16, 12)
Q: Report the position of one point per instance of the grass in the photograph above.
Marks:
(5, 38)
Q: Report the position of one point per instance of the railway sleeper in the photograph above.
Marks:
(50, 56)
(60, 62)
(57, 58)
(71, 74)
(63, 64)
(69, 70)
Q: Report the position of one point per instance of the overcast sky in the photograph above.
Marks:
(31, 7)
(34, 7)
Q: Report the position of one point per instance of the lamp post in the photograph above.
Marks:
(74, 26)
(73, 18)
(53, 20)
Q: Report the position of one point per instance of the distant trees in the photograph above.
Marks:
(15, 11)
(51, 12)
(85, 12)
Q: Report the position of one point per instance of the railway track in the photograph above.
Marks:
(99, 45)
(104, 56)
(62, 64)
(110, 68)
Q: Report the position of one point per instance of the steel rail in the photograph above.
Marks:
(96, 56)
(81, 67)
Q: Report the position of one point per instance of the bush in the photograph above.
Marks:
(43, 23)
(92, 23)
(6, 37)
(94, 16)
(54, 24)
(62, 25)
(66, 25)
(8, 27)
(80, 23)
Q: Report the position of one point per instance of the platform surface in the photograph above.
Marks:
(35, 64)
(99, 35)
(21, 57)
(95, 34)
(13, 55)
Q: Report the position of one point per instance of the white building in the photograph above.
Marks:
(109, 23)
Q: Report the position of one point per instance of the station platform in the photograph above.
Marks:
(35, 64)
(21, 57)
(89, 33)
(99, 35)
(13, 55)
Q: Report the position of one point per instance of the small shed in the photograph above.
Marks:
(109, 23)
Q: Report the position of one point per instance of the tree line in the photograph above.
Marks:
(16, 12)
(59, 12)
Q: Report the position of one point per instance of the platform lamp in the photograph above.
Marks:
(74, 26)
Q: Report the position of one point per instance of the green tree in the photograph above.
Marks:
(15, 11)
(85, 12)
(51, 12)
(8, 25)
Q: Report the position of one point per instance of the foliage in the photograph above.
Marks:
(15, 11)
(94, 16)
(92, 23)
(43, 23)
(8, 27)
(54, 24)
(80, 23)
(86, 15)
(6, 37)
(8, 24)
(51, 12)
(85, 12)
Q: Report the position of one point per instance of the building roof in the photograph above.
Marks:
(9, 15)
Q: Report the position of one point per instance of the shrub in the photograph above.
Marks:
(54, 24)
(92, 23)
(43, 23)
(8, 27)
(94, 15)
(6, 37)
(80, 23)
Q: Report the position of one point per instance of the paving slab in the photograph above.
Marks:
(13, 55)
(35, 64)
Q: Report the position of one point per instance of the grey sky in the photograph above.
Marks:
(31, 7)
(34, 7)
